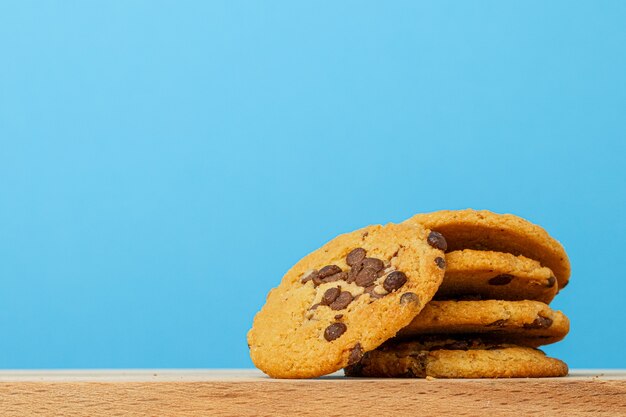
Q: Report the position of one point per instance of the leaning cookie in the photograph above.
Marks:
(496, 275)
(454, 358)
(529, 323)
(345, 299)
(485, 230)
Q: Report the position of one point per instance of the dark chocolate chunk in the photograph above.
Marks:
(329, 270)
(356, 256)
(338, 316)
(394, 281)
(551, 282)
(436, 240)
(342, 301)
(355, 354)
(310, 276)
(441, 263)
(366, 277)
(330, 295)
(374, 263)
(314, 306)
(409, 297)
(334, 331)
(501, 279)
(539, 323)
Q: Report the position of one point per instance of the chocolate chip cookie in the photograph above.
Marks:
(529, 323)
(496, 275)
(345, 299)
(485, 230)
(456, 358)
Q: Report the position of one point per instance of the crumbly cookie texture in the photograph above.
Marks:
(345, 299)
(485, 230)
(496, 275)
(529, 323)
(456, 358)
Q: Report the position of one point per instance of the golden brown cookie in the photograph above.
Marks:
(485, 230)
(456, 358)
(496, 275)
(529, 323)
(345, 299)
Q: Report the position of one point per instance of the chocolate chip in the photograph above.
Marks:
(436, 240)
(441, 263)
(551, 282)
(374, 263)
(394, 281)
(356, 256)
(354, 271)
(498, 323)
(314, 306)
(338, 316)
(355, 354)
(409, 297)
(336, 277)
(330, 295)
(372, 293)
(329, 270)
(539, 323)
(366, 277)
(309, 276)
(501, 279)
(334, 331)
(317, 280)
(342, 301)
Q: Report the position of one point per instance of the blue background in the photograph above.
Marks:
(162, 164)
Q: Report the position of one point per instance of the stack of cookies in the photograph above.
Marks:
(450, 294)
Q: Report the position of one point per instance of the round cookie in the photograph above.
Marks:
(456, 359)
(346, 298)
(496, 275)
(529, 323)
(485, 230)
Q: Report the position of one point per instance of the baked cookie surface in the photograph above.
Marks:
(496, 275)
(456, 358)
(485, 230)
(529, 323)
(346, 298)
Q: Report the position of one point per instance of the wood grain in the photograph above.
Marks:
(249, 393)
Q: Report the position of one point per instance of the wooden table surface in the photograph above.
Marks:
(249, 393)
